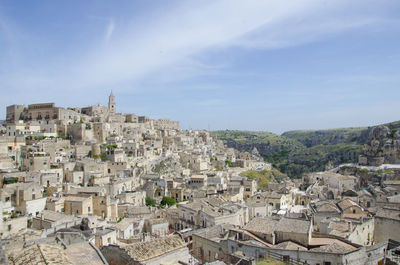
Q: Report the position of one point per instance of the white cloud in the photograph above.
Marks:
(172, 42)
(109, 30)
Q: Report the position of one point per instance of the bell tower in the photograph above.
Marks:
(111, 103)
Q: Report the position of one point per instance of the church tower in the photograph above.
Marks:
(111, 103)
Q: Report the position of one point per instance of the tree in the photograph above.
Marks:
(229, 163)
(167, 201)
(150, 202)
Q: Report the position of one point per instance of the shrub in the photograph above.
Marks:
(150, 202)
(229, 163)
(167, 201)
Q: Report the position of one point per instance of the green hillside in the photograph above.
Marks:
(301, 151)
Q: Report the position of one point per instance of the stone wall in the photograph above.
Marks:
(385, 228)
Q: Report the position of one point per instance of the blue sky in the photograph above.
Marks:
(229, 64)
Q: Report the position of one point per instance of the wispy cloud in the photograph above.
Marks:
(172, 43)
(109, 30)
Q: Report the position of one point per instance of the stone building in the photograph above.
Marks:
(387, 221)
(167, 250)
(77, 205)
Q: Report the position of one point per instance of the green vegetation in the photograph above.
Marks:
(278, 157)
(229, 163)
(298, 152)
(317, 158)
(248, 137)
(150, 202)
(167, 201)
(389, 171)
(103, 157)
(110, 147)
(311, 138)
(88, 126)
(35, 137)
(263, 177)
(10, 180)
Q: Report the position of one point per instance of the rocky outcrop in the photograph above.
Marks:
(382, 147)
(329, 137)
(262, 148)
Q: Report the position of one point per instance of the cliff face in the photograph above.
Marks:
(290, 155)
(329, 137)
(263, 148)
(298, 152)
(382, 147)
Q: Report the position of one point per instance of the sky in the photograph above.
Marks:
(260, 65)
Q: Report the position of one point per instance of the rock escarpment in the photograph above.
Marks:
(382, 147)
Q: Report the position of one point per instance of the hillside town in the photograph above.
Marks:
(89, 185)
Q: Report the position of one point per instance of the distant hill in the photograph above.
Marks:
(311, 138)
(298, 152)
(358, 135)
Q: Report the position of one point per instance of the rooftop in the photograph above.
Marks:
(332, 248)
(149, 250)
(289, 245)
(54, 216)
(41, 254)
(290, 225)
(346, 203)
(265, 225)
(388, 213)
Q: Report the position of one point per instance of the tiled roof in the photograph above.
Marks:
(289, 245)
(290, 225)
(346, 203)
(83, 253)
(264, 225)
(55, 216)
(324, 242)
(214, 232)
(326, 206)
(331, 248)
(155, 248)
(388, 213)
(41, 254)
